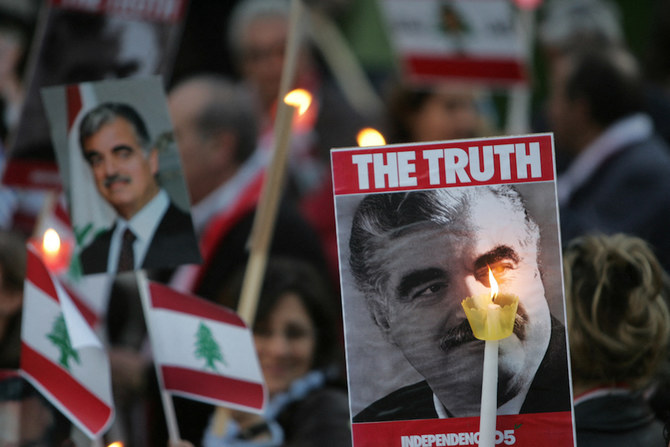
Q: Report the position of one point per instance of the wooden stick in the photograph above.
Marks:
(266, 212)
(518, 106)
(168, 407)
(292, 49)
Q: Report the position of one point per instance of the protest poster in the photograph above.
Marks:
(121, 169)
(418, 227)
(474, 41)
(80, 41)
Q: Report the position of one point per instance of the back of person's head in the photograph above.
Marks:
(227, 108)
(608, 79)
(618, 322)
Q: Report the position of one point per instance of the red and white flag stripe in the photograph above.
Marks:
(81, 388)
(174, 321)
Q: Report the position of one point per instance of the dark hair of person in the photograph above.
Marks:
(618, 320)
(107, 112)
(609, 80)
(288, 275)
(403, 103)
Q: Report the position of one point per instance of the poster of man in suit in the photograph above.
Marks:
(127, 197)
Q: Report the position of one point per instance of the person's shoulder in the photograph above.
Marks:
(174, 242)
(319, 418)
(617, 419)
(174, 212)
(176, 222)
(410, 402)
(331, 397)
(649, 155)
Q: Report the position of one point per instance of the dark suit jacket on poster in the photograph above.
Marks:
(549, 391)
(172, 244)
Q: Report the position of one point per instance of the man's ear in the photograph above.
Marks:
(380, 317)
(224, 146)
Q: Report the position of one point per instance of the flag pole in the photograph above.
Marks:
(518, 107)
(166, 399)
(263, 226)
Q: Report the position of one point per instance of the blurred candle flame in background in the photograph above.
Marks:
(370, 137)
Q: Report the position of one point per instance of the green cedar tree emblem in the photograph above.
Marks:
(61, 339)
(207, 348)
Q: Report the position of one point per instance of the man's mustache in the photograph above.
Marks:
(462, 333)
(116, 178)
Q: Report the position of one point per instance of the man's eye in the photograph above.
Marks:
(499, 269)
(431, 290)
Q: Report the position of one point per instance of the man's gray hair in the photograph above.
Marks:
(107, 112)
(228, 109)
(248, 11)
(380, 218)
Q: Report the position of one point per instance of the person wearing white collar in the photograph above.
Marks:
(620, 171)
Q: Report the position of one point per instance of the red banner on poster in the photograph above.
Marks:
(446, 164)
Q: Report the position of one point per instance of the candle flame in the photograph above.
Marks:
(494, 285)
(51, 241)
(116, 444)
(370, 137)
(299, 98)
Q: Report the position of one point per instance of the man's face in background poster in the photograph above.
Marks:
(123, 167)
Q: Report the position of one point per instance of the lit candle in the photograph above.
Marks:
(491, 318)
(303, 101)
(55, 252)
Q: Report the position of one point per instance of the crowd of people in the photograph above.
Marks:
(608, 116)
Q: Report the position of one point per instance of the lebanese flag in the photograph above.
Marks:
(60, 354)
(89, 293)
(204, 351)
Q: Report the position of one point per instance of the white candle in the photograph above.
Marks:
(489, 406)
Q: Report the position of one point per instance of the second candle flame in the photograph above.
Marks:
(299, 98)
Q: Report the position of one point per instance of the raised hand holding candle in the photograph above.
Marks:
(491, 318)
